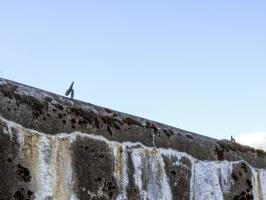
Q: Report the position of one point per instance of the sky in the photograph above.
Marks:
(195, 65)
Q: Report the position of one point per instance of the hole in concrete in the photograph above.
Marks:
(173, 173)
(23, 173)
(234, 176)
(101, 156)
(190, 137)
(73, 121)
(29, 193)
(98, 179)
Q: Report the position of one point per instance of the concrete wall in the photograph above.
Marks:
(54, 148)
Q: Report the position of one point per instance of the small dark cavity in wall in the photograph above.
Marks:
(109, 188)
(23, 194)
(111, 122)
(99, 179)
(168, 132)
(59, 106)
(73, 121)
(23, 173)
(173, 172)
(244, 196)
(87, 115)
(82, 121)
(77, 111)
(250, 186)
(234, 176)
(189, 136)
(244, 167)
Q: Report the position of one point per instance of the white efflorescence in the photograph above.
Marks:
(45, 169)
(49, 159)
(148, 163)
(120, 172)
(211, 179)
(259, 184)
(50, 162)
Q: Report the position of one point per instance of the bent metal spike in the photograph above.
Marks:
(70, 91)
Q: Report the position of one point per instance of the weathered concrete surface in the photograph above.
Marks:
(52, 147)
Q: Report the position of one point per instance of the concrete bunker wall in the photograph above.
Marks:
(52, 147)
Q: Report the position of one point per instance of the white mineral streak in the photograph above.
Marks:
(55, 172)
(211, 179)
(259, 184)
(150, 176)
(120, 172)
(50, 160)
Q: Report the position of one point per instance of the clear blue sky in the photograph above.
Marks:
(196, 65)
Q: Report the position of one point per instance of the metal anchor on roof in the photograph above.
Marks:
(70, 91)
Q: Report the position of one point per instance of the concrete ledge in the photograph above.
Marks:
(50, 113)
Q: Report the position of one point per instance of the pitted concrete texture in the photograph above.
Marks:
(53, 147)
